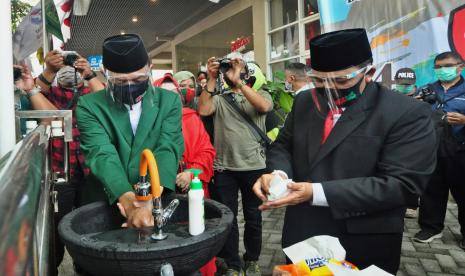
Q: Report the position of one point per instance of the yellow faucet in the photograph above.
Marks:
(145, 191)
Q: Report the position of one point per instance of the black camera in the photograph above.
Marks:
(17, 72)
(69, 57)
(225, 64)
(427, 95)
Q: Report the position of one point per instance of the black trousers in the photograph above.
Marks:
(382, 250)
(68, 198)
(225, 190)
(449, 174)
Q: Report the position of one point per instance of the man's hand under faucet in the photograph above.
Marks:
(137, 214)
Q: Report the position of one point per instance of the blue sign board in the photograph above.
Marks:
(95, 62)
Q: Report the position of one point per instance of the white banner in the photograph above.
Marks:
(28, 36)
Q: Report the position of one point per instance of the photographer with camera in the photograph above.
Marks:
(447, 95)
(27, 94)
(63, 82)
(240, 157)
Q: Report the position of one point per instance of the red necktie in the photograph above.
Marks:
(329, 123)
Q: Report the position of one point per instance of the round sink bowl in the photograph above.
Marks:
(95, 240)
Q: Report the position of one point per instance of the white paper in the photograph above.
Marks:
(328, 247)
(278, 187)
(318, 246)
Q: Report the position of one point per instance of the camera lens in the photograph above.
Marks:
(17, 73)
(70, 59)
(225, 65)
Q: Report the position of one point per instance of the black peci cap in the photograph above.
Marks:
(339, 50)
(124, 53)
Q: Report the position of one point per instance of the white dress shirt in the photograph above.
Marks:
(319, 197)
(134, 115)
(303, 88)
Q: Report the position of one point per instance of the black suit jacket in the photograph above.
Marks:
(376, 161)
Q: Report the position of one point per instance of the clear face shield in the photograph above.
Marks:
(336, 91)
(128, 88)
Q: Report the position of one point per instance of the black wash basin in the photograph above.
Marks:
(95, 240)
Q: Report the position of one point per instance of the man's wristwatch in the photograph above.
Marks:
(91, 76)
(34, 91)
(44, 80)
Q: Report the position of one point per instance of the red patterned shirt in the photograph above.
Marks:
(64, 99)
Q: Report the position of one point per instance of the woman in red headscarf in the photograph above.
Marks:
(198, 153)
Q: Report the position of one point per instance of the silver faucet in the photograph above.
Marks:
(145, 192)
(162, 216)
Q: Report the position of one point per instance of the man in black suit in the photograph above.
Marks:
(358, 152)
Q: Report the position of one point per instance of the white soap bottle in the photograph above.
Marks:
(196, 205)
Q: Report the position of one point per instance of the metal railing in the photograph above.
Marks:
(67, 134)
(25, 212)
(26, 197)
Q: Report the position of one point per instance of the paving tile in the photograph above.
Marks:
(433, 250)
(265, 260)
(446, 246)
(408, 246)
(414, 269)
(421, 245)
(275, 238)
(446, 262)
(431, 265)
(458, 255)
(459, 271)
(419, 255)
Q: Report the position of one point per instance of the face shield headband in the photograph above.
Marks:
(337, 91)
(127, 88)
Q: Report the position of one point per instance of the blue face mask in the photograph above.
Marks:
(446, 73)
(404, 88)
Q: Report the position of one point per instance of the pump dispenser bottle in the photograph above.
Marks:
(196, 204)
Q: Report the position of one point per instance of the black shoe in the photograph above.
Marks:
(426, 236)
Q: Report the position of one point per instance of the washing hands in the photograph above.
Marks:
(138, 214)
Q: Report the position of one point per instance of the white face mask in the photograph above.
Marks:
(288, 86)
(66, 77)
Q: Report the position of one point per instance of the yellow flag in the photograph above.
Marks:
(40, 55)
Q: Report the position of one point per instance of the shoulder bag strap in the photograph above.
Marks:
(255, 129)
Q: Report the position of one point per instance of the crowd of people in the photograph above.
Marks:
(358, 154)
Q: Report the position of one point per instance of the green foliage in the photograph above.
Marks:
(282, 100)
(19, 9)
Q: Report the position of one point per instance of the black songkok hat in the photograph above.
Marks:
(124, 53)
(339, 50)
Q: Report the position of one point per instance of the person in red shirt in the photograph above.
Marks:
(198, 153)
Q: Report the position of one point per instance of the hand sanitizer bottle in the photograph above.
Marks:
(196, 205)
